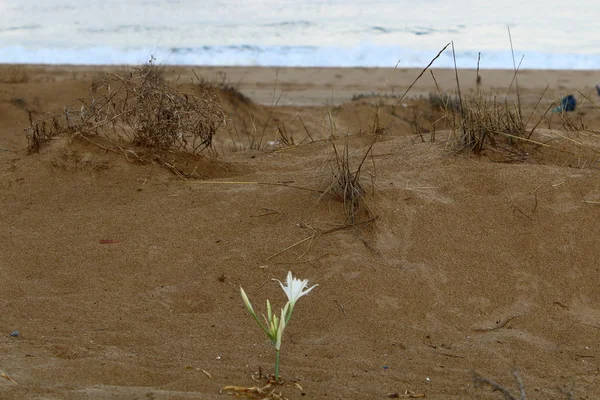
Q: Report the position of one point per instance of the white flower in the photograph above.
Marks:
(295, 288)
(275, 325)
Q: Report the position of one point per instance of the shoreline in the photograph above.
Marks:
(60, 67)
(318, 86)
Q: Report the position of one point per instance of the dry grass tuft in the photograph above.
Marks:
(284, 137)
(377, 127)
(250, 139)
(40, 132)
(139, 108)
(482, 120)
(487, 121)
(347, 186)
(572, 123)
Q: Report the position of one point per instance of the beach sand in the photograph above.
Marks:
(123, 279)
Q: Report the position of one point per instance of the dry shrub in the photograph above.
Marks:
(152, 114)
(151, 71)
(140, 108)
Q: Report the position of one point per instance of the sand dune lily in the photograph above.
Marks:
(294, 288)
(274, 325)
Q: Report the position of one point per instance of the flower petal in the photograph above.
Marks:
(294, 288)
(308, 290)
(284, 288)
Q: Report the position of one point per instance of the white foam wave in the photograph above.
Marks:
(363, 55)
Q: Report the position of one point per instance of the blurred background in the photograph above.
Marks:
(552, 34)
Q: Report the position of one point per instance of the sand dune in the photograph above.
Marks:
(122, 279)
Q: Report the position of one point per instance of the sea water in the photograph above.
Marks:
(550, 34)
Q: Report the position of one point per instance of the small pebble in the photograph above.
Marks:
(15, 333)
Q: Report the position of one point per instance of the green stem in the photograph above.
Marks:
(260, 323)
(276, 365)
(289, 314)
